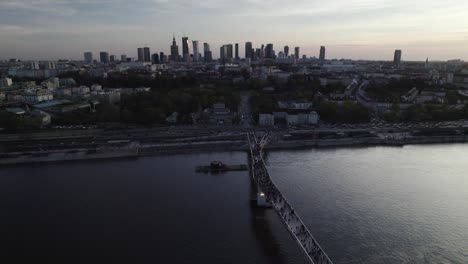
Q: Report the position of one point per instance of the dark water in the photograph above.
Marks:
(363, 205)
(150, 210)
(380, 204)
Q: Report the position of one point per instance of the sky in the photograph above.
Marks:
(355, 29)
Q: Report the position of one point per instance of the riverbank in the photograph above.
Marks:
(158, 149)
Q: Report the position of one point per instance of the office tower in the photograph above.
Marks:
(141, 54)
(50, 65)
(286, 51)
(258, 53)
(397, 58)
(262, 51)
(207, 52)
(174, 50)
(296, 52)
(123, 58)
(146, 54)
(322, 54)
(34, 65)
(162, 58)
(248, 50)
(104, 57)
(88, 57)
(155, 58)
(208, 56)
(196, 52)
(185, 49)
(112, 58)
(223, 52)
(237, 51)
(269, 51)
(229, 51)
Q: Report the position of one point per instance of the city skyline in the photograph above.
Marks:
(357, 29)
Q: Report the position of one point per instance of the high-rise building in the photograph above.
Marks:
(34, 65)
(155, 58)
(296, 52)
(141, 54)
(196, 52)
(262, 51)
(123, 58)
(286, 51)
(104, 57)
(174, 50)
(50, 65)
(88, 57)
(185, 48)
(229, 51)
(248, 50)
(397, 58)
(223, 52)
(258, 53)
(207, 52)
(146, 54)
(237, 51)
(112, 58)
(269, 53)
(322, 55)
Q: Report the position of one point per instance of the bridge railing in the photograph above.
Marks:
(286, 212)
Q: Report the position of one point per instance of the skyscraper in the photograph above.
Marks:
(237, 51)
(185, 48)
(207, 52)
(196, 52)
(322, 55)
(162, 57)
(223, 52)
(88, 57)
(123, 58)
(141, 54)
(269, 51)
(397, 58)
(230, 51)
(155, 58)
(112, 58)
(248, 50)
(174, 50)
(104, 57)
(146, 54)
(296, 52)
(286, 51)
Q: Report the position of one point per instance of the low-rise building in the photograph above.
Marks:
(266, 120)
(220, 115)
(6, 82)
(295, 105)
(34, 96)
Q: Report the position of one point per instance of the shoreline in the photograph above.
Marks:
(203, 147)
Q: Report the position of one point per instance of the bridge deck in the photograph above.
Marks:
(286, 212)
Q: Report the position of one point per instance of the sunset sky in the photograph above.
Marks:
(356, 29)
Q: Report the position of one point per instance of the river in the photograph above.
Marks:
(363, 205)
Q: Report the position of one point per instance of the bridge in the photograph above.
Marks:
(268, 194)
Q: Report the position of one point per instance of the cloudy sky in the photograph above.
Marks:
(357, 29)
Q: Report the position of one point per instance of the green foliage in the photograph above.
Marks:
(419, 113)
(395, 88)
(11, 122)
(347, 112)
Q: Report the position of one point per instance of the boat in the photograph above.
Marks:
(218, 166)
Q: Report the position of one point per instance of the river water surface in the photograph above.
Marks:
(363, 205)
